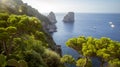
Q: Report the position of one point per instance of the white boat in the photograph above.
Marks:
(112, 25)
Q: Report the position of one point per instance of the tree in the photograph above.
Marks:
(105, 49)
(68, 59)
(51, 58)
(4, 16)
(4, 36)
(114, 63)
(24, 43)
(82, 63)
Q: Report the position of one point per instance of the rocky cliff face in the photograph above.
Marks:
(69, 17)
(52, 19)
(20, 8)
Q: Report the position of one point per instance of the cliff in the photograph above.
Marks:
(20, 8)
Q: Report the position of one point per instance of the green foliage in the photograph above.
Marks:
(34, 59)
(22, 63)
(4, 16)
(5, 33)
(88, 49)
(13, 20)
(68, 59)
(2, 30)
(2, 60)
(40, 35)
(30, 50)
(82, 62)
(114, 63)
(15, 63)
(104, 48)
(103, 53)
(31, 43)
(11, 30)
(24, 43)
(76, 43)
(102, 42)
(3, 23)
(51, 58)
(12, 62)
(4, 36)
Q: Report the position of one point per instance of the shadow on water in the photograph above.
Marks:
(68, 26)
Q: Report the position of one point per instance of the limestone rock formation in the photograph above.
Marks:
(69, 17)
(52, 17)
(52, 27)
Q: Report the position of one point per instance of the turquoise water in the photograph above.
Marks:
(95, 25)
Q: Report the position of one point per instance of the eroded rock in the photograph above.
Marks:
(69, 17)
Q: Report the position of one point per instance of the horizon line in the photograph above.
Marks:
(85, 12)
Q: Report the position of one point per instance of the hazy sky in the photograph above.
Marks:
(94, 6)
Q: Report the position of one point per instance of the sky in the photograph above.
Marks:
(82, 6)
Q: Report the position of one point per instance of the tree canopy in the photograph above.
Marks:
(23, 43)
(105, 49)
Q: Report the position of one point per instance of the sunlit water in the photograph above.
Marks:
(95, 25)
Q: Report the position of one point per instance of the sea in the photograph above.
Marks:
(86, 24)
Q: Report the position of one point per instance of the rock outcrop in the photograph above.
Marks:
(52, 17)
(69, 17)
(52, 27)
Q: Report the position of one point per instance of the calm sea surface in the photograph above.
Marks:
(95, 25)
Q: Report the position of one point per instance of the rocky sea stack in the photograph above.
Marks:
(52, 18)
(69, 17)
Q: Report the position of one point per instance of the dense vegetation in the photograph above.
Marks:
(23, 43)
(19, 8)
(23, 40)
(105, 49)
